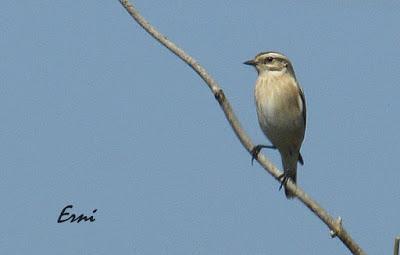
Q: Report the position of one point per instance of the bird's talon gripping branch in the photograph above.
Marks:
(256, 150)
(283, 178)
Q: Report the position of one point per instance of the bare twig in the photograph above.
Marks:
(334, 225)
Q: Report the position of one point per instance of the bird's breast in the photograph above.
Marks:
(279, 106)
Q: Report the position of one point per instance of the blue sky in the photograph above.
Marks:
(97, 114)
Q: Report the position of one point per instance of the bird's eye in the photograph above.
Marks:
(268, 59)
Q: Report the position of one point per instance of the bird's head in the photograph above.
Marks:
(270, 61)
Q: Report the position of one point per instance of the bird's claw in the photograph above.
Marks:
(256, 149)
(283, 178)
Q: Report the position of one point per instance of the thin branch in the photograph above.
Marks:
(335, 225)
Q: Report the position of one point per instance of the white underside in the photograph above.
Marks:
(279, 110)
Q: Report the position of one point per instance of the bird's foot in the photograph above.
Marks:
(283, 178)
(256, 149)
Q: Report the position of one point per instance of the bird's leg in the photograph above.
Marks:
(283, 178)
(256, 149)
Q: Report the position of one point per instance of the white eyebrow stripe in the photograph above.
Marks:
(277, 55)
(272, 54)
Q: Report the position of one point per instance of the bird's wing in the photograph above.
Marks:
(303, 99)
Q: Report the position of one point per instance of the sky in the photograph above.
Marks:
(96, 114)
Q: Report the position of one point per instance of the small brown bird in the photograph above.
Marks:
(281, 110)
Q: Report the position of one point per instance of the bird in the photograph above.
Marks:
(281, 111)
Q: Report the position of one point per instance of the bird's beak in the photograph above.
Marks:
(250, 62)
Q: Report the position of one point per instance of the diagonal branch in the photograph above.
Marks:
(335, 225)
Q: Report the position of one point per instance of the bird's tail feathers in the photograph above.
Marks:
(289, 163)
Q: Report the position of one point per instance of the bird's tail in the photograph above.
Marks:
(289, 163)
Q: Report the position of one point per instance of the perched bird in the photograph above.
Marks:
(281, 110)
